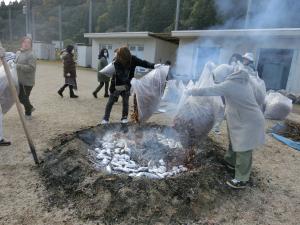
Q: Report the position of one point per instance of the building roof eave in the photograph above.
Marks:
(117, 35)
(280, 32)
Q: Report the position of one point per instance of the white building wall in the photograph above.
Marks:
(165, 51)
(185, 57)
(84, 54)
(188, 47)
(148, 43)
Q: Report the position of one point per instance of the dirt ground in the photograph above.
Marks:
(23, 196)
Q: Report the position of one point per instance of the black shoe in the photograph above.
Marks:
(106, 96)
(74, 96)
(95, 95)
(5, 143)
(236, 184)
(60, 93)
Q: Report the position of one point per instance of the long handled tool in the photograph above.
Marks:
(19, 108)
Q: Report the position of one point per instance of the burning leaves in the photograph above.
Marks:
(72, 180)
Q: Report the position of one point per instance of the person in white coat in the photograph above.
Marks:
(245, 121)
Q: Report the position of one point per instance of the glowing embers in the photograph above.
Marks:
(148, 153)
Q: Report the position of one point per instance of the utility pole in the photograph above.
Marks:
(177, 14)
(26, 12)
(90, 19)
(26, 18)
(33, 25)
(248, 14)
(60, 27)
(29, 18)
(9, 22)
(128, 15)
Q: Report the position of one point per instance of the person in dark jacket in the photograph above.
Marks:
(112, 81)
(102, 79)
(69, 72)
(125, 65)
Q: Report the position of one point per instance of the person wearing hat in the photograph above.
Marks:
(245, 121)
(248, 62)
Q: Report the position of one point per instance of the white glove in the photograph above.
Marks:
(156, 66)
(2, 52)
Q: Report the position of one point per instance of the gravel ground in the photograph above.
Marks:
(23, 196)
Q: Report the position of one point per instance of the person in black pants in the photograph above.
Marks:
(69, 72)
(24, 98)
(125, 65)
(26, 67)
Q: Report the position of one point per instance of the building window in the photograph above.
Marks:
(107, 46)
(137, 50)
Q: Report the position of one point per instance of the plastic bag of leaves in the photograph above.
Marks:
(196, 115)
(149, 90)
(6, 98)
(277, 106)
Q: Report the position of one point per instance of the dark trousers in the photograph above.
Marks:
(112, 99)
(61, 90)
(100, 87)
(24, 98)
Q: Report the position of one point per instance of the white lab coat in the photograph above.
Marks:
(245, 120)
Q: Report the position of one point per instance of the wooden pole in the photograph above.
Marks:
(19, 108)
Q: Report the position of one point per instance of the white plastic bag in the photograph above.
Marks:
(197, 115)
(109, 70)
(6, 98)
(149, 90)
(277, 106)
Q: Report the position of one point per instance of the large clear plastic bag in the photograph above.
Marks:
(149, 90)
(277, 106)
(6, 98)
(172, 92)
(197, 115)
(109, 70)
(259, 89)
